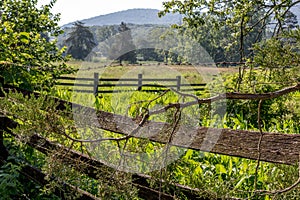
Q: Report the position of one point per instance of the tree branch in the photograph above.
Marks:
(232, 96)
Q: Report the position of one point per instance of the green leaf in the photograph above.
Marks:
(24, 37)
(198, 170)
(220, 169)
(230, 167)
(188, 154)
(240, 182)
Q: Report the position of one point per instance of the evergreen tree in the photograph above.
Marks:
(81, 41)
(123, 48)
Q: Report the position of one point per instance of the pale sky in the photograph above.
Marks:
(72, 10)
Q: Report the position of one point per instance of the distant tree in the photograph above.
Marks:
(104, 32)
(290, 21)
(123, 48)
(80, 42)
(146, 51)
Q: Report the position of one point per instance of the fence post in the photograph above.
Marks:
(178, 78)
(96, 82)
(140, 82)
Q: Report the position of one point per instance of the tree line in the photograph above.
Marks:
(219, 40)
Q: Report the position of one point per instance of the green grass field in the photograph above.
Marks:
(192, 74)
(217, 176)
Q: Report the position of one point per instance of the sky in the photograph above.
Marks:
(72, 10)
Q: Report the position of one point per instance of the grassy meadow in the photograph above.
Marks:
(216, 176)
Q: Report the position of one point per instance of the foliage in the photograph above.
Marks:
(10, 185)
(123, 48)
(150, 43)
(279, 58)
(38, 115)
(28, 58)
(222, 28)
(216, 176)
(223, 177)
(220, 176)
(81, 41)
(229, 30)
(104, 32)
(257, 81)
(290, 21)
(14, 184)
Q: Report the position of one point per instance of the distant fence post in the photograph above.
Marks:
(96, 82)
(178, 78)
(140, 82)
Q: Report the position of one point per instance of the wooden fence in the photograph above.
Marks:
(97, 85)
(273, 147)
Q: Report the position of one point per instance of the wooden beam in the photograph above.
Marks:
(275, 147)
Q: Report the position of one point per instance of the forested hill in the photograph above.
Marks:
(133, 16)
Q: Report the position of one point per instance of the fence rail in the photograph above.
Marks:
(98, 85)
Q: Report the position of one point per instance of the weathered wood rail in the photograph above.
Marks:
(275, 147)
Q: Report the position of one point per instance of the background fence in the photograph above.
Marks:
(97, 85)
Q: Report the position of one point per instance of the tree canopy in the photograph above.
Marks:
(28, 57)
(256, 31)
(240, 17)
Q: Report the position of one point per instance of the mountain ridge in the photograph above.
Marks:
(141, 16)
(132, 16)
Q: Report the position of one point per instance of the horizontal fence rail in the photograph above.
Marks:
(98, 85)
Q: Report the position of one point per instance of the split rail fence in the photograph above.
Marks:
(274, 147)
(97, 85)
